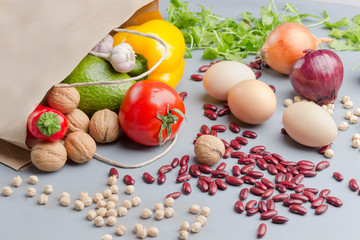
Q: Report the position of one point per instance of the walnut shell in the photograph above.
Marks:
(48, 156)
(80, 147)
(104, 126)
(78, 121)
(64, 100)
(209, 149)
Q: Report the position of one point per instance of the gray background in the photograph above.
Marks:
(23, 218)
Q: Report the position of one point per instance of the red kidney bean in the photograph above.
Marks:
(283, 131)
(298, 178)
(209, 106)
(196, 77)
(255, 65)
(300, 188)
(255, 155)
(184, 160)
(309, 195)
(303, 167)
(223, 111)
(270, 204)
(317, 202)
(279, 219)
(205, 168)
(262, 206)
(228, 152)
(262, 163)
(221, 184)
(272, 169)
(226, 144)
(262, 227)
(234, 127)
(165, 169)
(205, 129)
(239, 206)
(238, 154)
(204, 68)
(268, 193)
(183, 169)
(219, 173)
(221, 166)
(288, 163)
(278, 157)
(267, 183)
(324, 193)
(235, 181)
(279, 177)
(288, 184)
(128, 180)
(271, 159)
(236, 170)
(264, 153)
(292, 201)
(280, 187)
(204, 186)
(256, 191)
(235, 144)
(219, 128)
(280, 197)
(186, 188)
(212, 188)
(148, 178)
(206, 178)
(281, 168)
(255, 174)
(244, 193)
(213, 132)
(113, 172)
(249, 134)
(161, 178)
(250, 204)
(174, 195)
(247, 168)
(298, 209)
(261, 186)
(272, 88)
(289, 176)
(258, 74)
(248, 179)
(324, 148)
(338, 176)
(225, 104)
(268, 214)
(322, 165)
(183, 178)
(251, 211)
(242, 141)
(194, 171)
(353, 185)
(306, 162)
(175, 162)
(313, 190)
(257, 148)
(321, 209)
(308, 173)
(210, 114)
(292, 170)
(183, 95)
(246, 160)
(303, 198)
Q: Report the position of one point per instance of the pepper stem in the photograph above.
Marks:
(48, 123)
(167, 120)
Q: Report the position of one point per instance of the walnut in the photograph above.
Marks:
(209, 149)
(104, 126)
(80, 147)
(64, 100)
(78, 121)
(48, 156)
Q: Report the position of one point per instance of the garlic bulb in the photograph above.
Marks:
(105, 45)
(122, 58)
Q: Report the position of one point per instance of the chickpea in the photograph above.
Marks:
(355, 143)
(205, 211)
(111, 221)
(112, 180)
(324, 107)
(201, 219)
(357, 112)
(135, 201)
(142, 233)
(79, 205)
(353, 119)
(288, 102)
(159, 206)
(113, 198)
(146, 213)
(16, 182)
(65, 194)
(122, 211)
(83, 195)
(43, 199)
(48, 189)
(348, 104)
(101, 212)
(159, 214)
(107, 192)
(356, 136)
(31, 192)
(348, 115)
(98, 197)
(344, 99)
(329, 153)
(126, 203)
(185, 226)
(114, 189)
(343, 126)
(169, 202)
(330, 111)
(101, 204)
(106, 237)
(87, 201)
(110, 205)
(6, 191)
(129, 189)
(137, 227)
(169, 212)
(99, 221)
(33, 179)
(153, 232)
(194, 209)
(120, 230)
(91, 215)
(65, 201)
(195, 227)
(111, 213)
(183, 234)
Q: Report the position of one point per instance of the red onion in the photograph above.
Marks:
(317, 76)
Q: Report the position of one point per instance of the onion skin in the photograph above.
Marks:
(286, 43)
(317, 76)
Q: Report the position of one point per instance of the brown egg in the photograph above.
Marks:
(309, 124)
(252, 101)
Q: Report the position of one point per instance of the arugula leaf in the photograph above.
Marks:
(342, 22)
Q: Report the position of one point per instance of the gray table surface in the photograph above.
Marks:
(23, 218)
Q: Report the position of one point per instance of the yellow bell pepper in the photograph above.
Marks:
(170, 71)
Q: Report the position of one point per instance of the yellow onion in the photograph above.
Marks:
(286, 44)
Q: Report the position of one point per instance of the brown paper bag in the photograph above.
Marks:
(41, 43)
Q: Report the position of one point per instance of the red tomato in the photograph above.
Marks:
(148, 108)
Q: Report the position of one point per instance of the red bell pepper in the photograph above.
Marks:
(47, 123)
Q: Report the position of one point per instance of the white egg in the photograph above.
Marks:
(222, 76)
